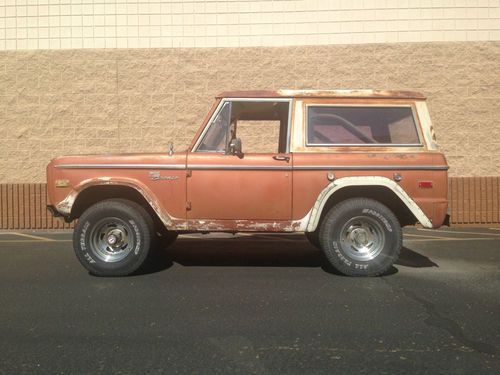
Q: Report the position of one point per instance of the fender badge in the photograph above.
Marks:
(155, 176)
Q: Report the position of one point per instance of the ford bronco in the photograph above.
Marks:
(349, 168)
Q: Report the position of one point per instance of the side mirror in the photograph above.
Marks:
(235, 147)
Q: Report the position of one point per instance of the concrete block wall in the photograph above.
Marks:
(54, 24)
(55, 102)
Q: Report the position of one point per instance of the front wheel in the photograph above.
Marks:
(113, 237)
(361, 237)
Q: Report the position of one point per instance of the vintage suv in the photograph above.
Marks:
(347, 167)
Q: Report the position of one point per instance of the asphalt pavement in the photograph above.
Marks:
(252, 304)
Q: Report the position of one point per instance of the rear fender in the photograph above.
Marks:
(313, 217)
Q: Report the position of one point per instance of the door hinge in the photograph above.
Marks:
(189, 172)
(188, 206)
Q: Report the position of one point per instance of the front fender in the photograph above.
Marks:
(65, 206)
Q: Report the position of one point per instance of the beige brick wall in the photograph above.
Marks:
(85, 101)
(54, 24)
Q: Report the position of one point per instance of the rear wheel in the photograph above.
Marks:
(361, 237)
(113, 237)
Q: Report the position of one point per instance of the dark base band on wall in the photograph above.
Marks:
(473, 201)
(24, 206)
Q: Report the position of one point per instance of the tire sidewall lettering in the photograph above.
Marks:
(340, 254)
(83, 243)
(379, 216)
(138, 241)
(346, 261)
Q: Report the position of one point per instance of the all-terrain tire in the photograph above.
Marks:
(361, 237)
(113, 237)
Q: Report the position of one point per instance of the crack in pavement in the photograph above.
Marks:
(436, 319)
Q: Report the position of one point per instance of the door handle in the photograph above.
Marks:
(281, 158)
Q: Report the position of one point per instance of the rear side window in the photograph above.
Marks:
(361, 125)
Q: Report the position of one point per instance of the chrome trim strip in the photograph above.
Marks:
(289, 127)
(240, 167)
(255, 167)
(121, 166)
(372, 167)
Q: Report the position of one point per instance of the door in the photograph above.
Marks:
(251, 183)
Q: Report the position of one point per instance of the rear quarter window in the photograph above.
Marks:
(329, 125)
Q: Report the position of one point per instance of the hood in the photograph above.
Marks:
(121, 160)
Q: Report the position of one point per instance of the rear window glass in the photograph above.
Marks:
(353, 125)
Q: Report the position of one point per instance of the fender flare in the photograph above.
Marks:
(66, 205)
(314, 215)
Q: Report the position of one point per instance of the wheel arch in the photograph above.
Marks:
(92, 192)
(378, 188)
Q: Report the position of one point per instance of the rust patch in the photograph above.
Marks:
(65, 206)
(237, 225)
(322, 93)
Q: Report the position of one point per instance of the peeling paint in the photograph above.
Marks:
(356, 93)
(66, 205)
(364, 181)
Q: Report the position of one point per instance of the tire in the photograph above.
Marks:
(361, 237)
(113, 237)
(313, 238)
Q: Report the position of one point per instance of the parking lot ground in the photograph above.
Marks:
(259, 303)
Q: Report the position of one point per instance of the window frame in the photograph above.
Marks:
(210, 122)
(413, 112)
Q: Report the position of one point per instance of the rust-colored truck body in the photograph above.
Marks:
(204, 190)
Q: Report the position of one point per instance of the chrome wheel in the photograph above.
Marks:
(362, 238)
(112, 239)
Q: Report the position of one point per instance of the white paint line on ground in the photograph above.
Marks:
(32, 241)
(450, 239)
(33, 237)
(494, 228)
(424, 236)
(452, 232)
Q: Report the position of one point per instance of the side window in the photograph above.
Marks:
(361, 125)
(259, 136)
(262, 127)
